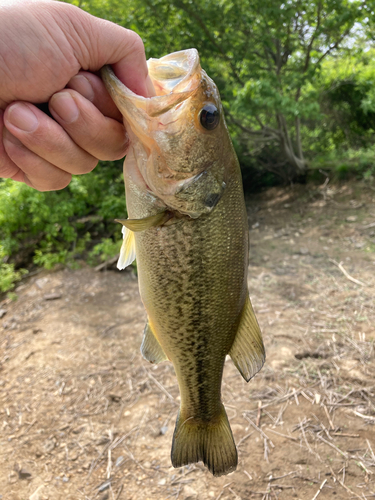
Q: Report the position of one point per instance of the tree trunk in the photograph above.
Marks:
(297, 161)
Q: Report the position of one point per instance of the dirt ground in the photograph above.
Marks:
(84, 417)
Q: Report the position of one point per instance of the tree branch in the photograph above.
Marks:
(194, 14)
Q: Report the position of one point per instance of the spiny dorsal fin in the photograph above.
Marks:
(247, 351)
(138, 225)
(127, 252)
(150, 348)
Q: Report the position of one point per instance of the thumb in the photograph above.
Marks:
(100, 42)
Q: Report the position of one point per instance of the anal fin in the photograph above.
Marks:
(150, 348)
(247, 351)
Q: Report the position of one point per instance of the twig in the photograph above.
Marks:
(369, 446)
(343, 434)
(108, 262)
(283, 435)
(319, 490)
(248, 475)
(307, 444)
(259, 413)
(264, 436)
(161, 387)
(346, 274)
(329, 418)
(344, 485)
(295, 397)
(244, 438)
(119, 492)
(363, 416)
(222, 491)
(332, 446)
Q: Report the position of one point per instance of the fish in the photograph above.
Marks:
(187, 228)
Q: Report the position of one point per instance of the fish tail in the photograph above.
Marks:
(210, 441)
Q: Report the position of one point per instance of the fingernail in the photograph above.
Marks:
(21, 116)
(64, 105)
(82, 85)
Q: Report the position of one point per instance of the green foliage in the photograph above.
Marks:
(8, 275)
(57, 227)
(106, 249)
(348, 163)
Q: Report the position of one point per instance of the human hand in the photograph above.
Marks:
(47, 53)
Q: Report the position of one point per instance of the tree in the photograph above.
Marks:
(261, 53)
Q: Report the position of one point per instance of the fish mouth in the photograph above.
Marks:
(177, 72)
(175, 77)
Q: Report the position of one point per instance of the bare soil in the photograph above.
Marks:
(83, 416)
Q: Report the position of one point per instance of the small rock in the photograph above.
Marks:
(351, 218)
(163, 430)
(49, 445)
(24, 474)
(189, 493)
(304, 251)
(254, 226)
(52, 296)
(41, 282)
(162, 482)
(3, 312)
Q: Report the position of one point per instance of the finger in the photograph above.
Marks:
(93, 89)
(102, 137)
(8, 169)
(36, 172)
(46, 138)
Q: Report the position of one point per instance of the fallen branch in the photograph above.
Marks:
(107, 263)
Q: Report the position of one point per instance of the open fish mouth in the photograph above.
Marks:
(175, 72)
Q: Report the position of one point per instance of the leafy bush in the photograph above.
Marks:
(346, 163)
(57, 227)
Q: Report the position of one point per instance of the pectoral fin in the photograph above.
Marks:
(127, 252)
(137, 225)
(247, 351)
(150, 348)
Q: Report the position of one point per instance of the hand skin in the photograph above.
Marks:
(48, 53)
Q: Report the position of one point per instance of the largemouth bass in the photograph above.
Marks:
(188, 229)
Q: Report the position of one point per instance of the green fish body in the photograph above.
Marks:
(188, 229)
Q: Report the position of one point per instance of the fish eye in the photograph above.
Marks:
(209, 117)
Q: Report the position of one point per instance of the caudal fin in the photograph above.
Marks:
(211, 442)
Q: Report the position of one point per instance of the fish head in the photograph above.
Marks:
(179, 136)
